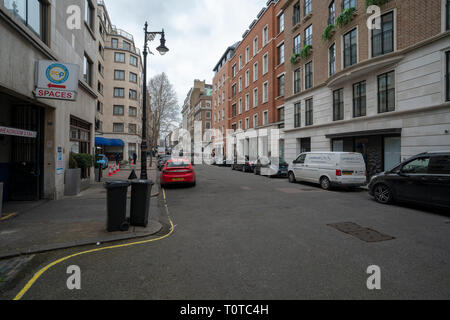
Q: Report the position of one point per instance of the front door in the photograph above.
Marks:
(392, 152)
(413, 184)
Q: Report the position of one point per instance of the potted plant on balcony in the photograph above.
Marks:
(345, 17)
(72, 177)
(306, 51)
(295, 57)
(328, 32)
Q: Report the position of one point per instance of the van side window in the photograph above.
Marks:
(417, 166)
(301, 159)
(440, 165)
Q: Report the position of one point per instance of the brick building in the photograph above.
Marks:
(383, 91)
(250, 85)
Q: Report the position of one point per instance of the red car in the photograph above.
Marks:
(177, 171)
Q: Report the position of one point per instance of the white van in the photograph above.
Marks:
(346, 169)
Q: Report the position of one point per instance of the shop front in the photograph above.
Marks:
(381, 149)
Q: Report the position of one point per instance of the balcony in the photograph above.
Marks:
(120, 46)
(122, 33)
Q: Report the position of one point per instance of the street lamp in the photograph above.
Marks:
(162, 49)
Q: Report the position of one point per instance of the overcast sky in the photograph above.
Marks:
(197, 33)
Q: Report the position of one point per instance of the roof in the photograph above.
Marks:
(224, 56)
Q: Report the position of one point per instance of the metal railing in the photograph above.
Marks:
(121, 33)
(120, 46)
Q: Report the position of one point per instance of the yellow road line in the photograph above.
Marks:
(8, 216)
(46, 268)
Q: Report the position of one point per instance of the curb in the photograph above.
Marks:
(157, 227)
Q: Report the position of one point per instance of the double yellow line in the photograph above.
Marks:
(46, 268)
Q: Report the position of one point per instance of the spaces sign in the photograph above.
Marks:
(56, 80)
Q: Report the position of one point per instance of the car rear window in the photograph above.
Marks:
(440, 165)
(177, 164)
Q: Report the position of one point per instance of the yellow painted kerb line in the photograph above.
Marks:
(46, 268)
(8, 216)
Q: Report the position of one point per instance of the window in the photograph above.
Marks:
(208, 115)
(87, 73)
(265, 118)
(296, 15)
(255, 121)
(234, 70)
(255, 46)
(309, 112)
(119, 93)
(247, 123)
(280, 114)
(359, 99)
(126, 46)
(240, 62)
(132, 128)
(133, 61)
(331, 13)
(447, 76)
(247, 102)
(301, 159)
(308, 7)
(114, 43)
(89, 14)
(308, 75)
(247, 78)
(281, 54)
(265, 35)
(247, 54)
(308, 36)
(240, 106)
(265, 64)
(118, 110)
(240, 84)
(33, 14)
(233, 90)
(350, 48)
(99, 107)
(255, 97)
(281, 23)
(347, 4)
(297, 115)
(297, 81)
(240, 125)
(233, 109)
(119, 57)
(386, 92)
(439, 165)
(133, 77)
(132, 112)
(132, 94)
(332, 57)
(119, 75)
(338, 105)
(447, 15)
(297, 44)
(417, 166)
(100, 87)
(118, 127)
(383, 39)
(281, 85)
(265, 92)
(255, 72)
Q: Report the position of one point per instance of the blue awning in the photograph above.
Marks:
(99, 141)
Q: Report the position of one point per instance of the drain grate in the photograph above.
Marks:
(364, 234)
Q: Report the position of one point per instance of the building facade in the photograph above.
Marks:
(33, 167)
(250, 85)
(119, 106)
(381, 90)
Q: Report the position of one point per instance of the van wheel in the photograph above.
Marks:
(383, 194)
(291, 177)
(325, 183)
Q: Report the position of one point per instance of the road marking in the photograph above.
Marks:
(8, 216)
(46, 268)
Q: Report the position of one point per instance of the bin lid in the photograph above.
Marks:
(116, 184)
(138, 181)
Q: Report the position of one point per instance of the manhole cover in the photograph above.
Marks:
(364, 234)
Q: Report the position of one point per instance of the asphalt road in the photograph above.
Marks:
(240, 236)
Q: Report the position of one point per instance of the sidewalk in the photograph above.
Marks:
(70, 222)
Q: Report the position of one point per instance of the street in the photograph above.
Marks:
(240, 236)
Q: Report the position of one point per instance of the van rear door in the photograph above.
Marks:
(352, 166)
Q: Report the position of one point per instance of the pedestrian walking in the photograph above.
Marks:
(134, 158)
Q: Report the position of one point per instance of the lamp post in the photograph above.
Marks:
(162, 49)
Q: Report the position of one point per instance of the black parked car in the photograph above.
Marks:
(247, 166)
(272, 169)
(423, 179)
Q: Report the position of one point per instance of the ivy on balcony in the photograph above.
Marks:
(376, 2)
(346, 17)
(328, 32)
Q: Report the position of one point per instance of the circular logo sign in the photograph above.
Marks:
(57, 73)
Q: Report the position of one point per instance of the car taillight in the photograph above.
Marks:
(338, 173)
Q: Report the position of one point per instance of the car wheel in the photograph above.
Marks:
(325, 183)
(383, 194)
(291, 177)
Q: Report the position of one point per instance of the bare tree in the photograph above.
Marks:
(164, 107)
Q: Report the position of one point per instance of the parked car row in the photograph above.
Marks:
(423, 179)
